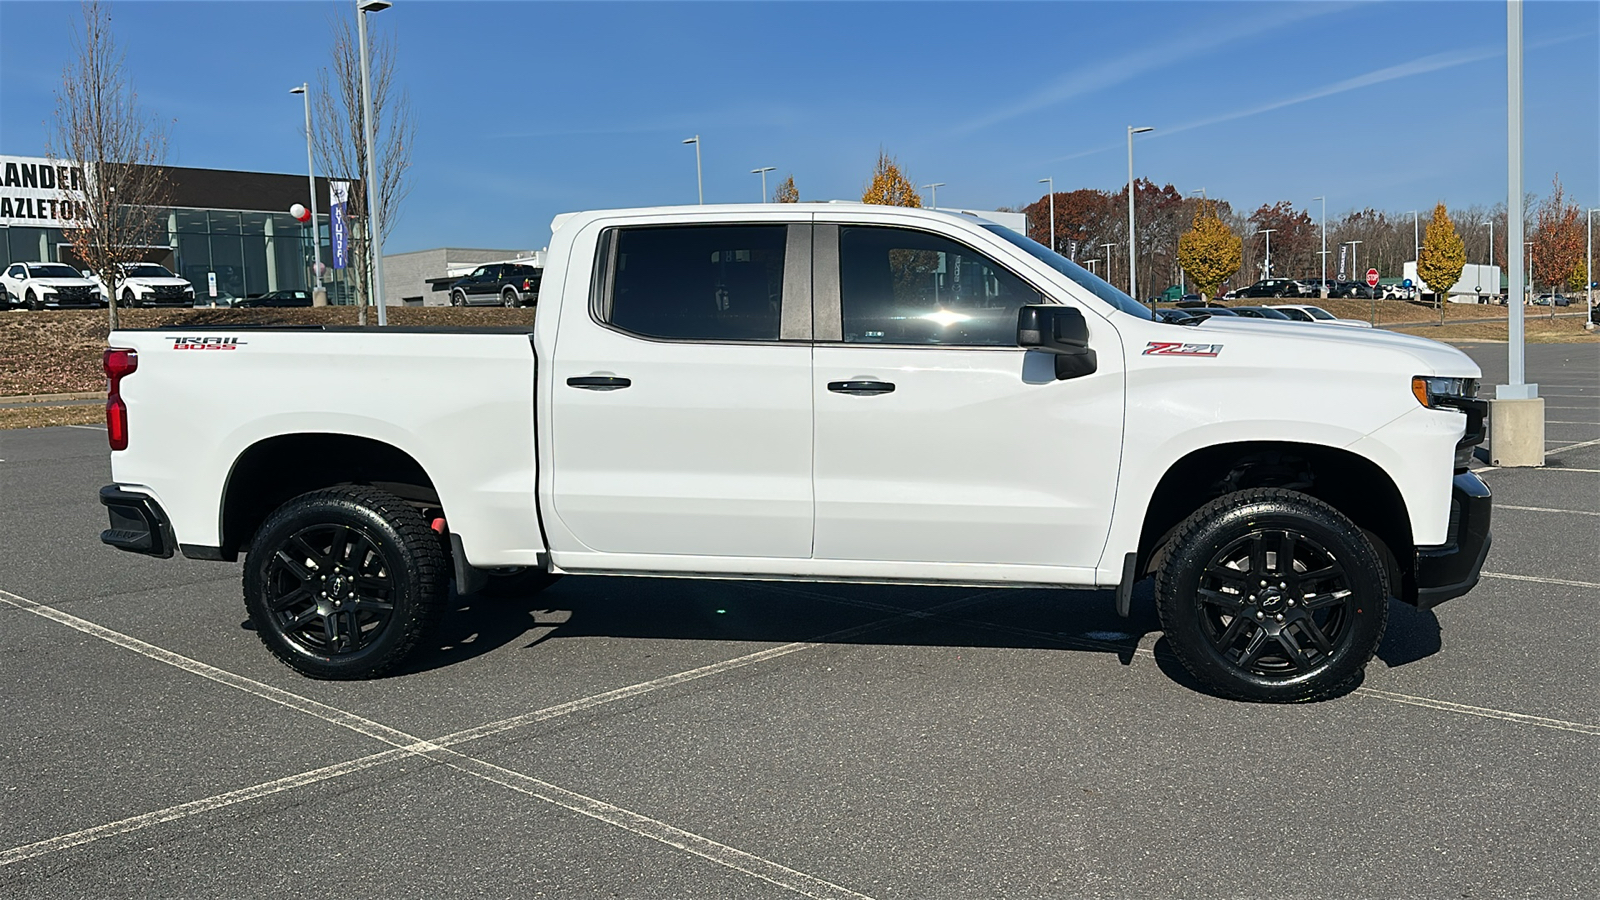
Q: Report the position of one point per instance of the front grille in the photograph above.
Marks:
(168, 291)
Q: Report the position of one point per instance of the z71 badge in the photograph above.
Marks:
(1178, 348)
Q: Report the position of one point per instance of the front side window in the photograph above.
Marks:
(898, 286)
(698, 282)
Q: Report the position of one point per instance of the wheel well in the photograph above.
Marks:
(277, 469)
(1353, 485)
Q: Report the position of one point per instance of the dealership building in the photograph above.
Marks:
(235, 225)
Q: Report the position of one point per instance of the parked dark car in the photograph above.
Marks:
(1220, 311)
(1272, 287)
(1351, 290)
(508, 284)
(277, 298)
(1260, 312)
(1195, 303)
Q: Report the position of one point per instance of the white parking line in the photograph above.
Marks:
(89, 427)
(1535, 578)
(438, 751)
(1446, 706)
(1575, 512)
(1573, 446)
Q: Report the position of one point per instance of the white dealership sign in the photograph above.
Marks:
(39, 193)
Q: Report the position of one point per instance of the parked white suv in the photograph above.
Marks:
(41, 285)
(799, 392)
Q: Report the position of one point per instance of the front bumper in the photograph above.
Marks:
(138, 523)
(1449, 570)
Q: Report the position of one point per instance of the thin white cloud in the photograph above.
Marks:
(1183, 48)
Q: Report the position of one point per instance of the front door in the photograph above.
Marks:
(681, 417)
(938, 439)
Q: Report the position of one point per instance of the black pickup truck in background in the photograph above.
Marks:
(508, 284)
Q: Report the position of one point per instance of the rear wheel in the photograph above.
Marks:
(344, 583)
(1272, 595)
(509, 297)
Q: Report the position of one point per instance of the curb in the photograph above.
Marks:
(20, 399)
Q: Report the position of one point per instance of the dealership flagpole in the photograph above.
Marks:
(374, 227)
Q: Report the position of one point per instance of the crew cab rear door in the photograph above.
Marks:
(681, 407)
(938, 439)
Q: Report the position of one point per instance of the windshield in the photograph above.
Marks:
(1083, 277)
(48, 271)
(147, 270)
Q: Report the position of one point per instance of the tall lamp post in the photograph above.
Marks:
(1107, 248)
(319, 294)
(1267, 269)
(1052, 182)
(1490, 223)
(1588, 264)
(1322, 286)
(700, 183)
(934, 201)
(763, 173)
(374, 226)
(1416, 240)
(1132, 242)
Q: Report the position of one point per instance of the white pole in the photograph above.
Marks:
(1133, 284)
(1267, 272)
(1588, 265)
(1416, 243)
(763, 172)
(933, 203)
(319, 295)
(374, 227)
(700, 183)
(1322, 288)
(1517, 387)
(1052, 182)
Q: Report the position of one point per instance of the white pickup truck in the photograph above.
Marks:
(828, 392)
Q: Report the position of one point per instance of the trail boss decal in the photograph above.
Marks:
(206, 343)
(1178, 348)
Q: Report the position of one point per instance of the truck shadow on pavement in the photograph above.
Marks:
(881, 615)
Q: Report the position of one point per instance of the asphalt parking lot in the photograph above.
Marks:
(660, 738)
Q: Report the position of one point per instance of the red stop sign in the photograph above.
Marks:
(1372, 278)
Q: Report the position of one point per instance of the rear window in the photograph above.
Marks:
(697, 282)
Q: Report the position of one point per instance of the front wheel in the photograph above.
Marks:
(459, 298)
(344, 583)
(1271, 595)
(34, 303)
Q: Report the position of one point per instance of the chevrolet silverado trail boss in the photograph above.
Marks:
(828, 392)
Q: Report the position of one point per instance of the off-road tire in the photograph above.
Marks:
(1314, 642)
(374, 596)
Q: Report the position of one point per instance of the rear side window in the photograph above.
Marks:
(697, 282)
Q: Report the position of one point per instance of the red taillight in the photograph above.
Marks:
(118, 363)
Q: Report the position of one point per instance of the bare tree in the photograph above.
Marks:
(110, 155)
(341, 144)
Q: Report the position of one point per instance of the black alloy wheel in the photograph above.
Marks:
(1272, 595)
(344, 583)
(34, 303)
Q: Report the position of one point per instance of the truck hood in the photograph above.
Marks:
(156, 282)
(61, 282)
(1435, 358)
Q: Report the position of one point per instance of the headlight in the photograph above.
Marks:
(1435, 392)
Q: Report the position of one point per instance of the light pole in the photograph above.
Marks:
(1091, 264)
(1416, 241)
(319, 294)
(1490, 223)
(1322, 286)
(1107, 248)
(1132, 242)
(1052, 182)
(699, 181)
(1527, 294)
(1267, 270)
(763, 173)
(1588, 264)
(374, 226)
(934, 202)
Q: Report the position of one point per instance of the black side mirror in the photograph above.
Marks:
(1058, 330)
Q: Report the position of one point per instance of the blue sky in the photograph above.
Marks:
(530, 109)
